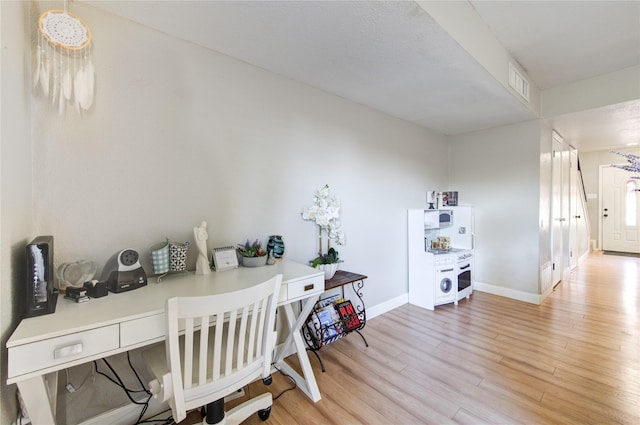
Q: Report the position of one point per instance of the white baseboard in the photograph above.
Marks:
(389, 305)
(400, 300)
(506, 292)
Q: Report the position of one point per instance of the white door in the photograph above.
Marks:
(565, 221)
(574, 215)
(557, 218)
(620, 221)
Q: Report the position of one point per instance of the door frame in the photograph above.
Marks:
(601, 206)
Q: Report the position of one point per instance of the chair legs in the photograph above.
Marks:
(215, 412)
(239, 413)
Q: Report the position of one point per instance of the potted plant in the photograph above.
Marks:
(327, 262)
(252, 254)
(325, 212)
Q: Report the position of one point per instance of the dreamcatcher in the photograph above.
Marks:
(63, 67)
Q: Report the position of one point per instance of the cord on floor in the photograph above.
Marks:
(293, 381)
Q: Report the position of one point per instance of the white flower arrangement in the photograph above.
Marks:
(325, 212)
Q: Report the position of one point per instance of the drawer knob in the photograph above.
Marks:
(309, 287)
(67, 351)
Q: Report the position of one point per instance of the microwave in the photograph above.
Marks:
(438, 219)
(445, 218)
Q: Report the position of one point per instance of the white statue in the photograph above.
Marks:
(200, 235)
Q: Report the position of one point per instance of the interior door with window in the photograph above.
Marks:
(620, 221)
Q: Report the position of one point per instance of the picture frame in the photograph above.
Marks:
(450, 199)
(224, 258)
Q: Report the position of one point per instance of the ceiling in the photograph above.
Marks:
(393, 56)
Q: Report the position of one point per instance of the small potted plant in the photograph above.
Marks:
(327, 262)
(252, 254)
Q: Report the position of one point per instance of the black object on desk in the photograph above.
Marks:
(334, 317)
(41, 294)
(96, 289)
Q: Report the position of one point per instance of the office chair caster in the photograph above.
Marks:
(268, 380)
(264, 413)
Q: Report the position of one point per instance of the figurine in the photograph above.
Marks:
(200, 235)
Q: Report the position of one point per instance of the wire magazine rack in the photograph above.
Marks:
(334, 317)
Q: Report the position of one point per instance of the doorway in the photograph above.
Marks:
(619, 210)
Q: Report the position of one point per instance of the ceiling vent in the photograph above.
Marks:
(518, 82)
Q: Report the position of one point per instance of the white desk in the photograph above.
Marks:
(80, 333)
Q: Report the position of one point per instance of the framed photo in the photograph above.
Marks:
(224, 258)
(450, 199)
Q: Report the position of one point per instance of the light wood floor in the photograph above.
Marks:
(575, 359)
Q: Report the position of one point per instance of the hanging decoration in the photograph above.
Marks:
(633, 166)
(63, 67)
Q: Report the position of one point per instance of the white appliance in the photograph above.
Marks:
(445, 279)
(439, 277)
(461, 228)
(438, 219)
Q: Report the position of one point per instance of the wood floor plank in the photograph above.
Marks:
(572, 360)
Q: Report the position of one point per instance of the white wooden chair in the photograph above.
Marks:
(227, 342)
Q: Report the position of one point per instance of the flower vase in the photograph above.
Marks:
(329, 270)
(275, 246)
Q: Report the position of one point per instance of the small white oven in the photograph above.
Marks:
(465, 274)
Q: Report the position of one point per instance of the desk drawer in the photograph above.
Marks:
(304, 288)
(140, 330)
(51, 352)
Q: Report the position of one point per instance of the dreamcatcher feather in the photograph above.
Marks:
(63, 68)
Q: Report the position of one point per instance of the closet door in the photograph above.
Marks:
(560, 211)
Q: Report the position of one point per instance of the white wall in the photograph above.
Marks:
(16, 199)
(498, 171)
(544, 214)
(180, 134)
(603, 90)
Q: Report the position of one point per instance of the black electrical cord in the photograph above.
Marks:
(293, 381)
(136, 373)
(128, 392)
(119, 381)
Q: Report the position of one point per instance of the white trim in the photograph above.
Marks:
(506, 292)
(386, 306)
(600, 203)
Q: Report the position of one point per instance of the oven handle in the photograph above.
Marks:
(465, 267)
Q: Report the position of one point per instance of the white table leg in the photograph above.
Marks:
(39, 395)
(307, 383)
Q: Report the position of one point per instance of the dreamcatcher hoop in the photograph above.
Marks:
(64, 29)
(63, 66)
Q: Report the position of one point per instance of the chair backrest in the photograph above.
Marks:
(227, 342)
